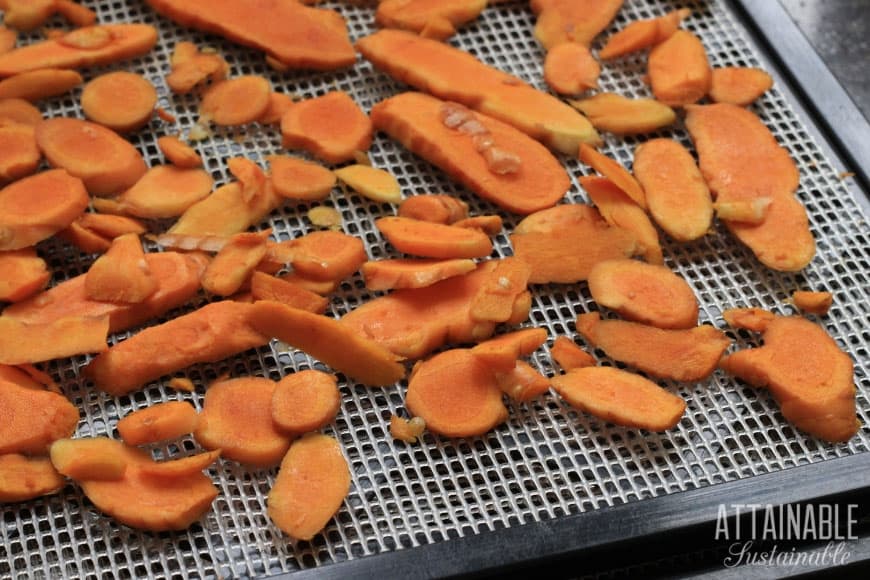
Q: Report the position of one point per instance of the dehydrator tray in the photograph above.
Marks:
(549, 469)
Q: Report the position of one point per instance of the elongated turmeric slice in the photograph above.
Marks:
(28, 376)
(183, 467)
(83, 47)
(679, 71)
(22, 342)
(570, 69)
(209, 334)
(149, 503)
(620, 397)
(31, 419)
(751, 212)
(191, 68)
(76, 13)
(331, 127)
(326, 255)
(15, 110)
(372, 183)
(88, 458)
(25, 478)
(307, 37)
(741, 161)
(563, 243)
(431, 240)
(432, 18)
(122, 274)
(739, 86)
(225, 212)
(416, 120)
(624, 116)
(234, 263)
(501, 353)
(295, 178)
(454, 75)
(329, 341)
(439, 208)
(577, 21)
(642, 34)
(236, 101)
(305, 401)
(812, 302)
(311, 485)
(178, 153)
(676, 193)
(39, 84)
(120, 100)
(266, 287)
(621, 211)
(807, 373)
(411, 273)
(682, 355)
(523, 383)
(165, 191)
(645, 293)
(19, 155)
(22, 274)
(159, 422)
(612, 170)
(569, 356)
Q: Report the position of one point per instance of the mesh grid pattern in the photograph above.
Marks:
(548, 460)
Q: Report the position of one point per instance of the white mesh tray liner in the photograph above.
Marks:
(548, 460)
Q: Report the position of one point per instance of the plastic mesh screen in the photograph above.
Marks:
(547, 460)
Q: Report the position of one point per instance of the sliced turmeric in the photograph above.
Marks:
(410, 273)
(279, 104)
(19, 376)
(305, 401)
(491, 225)
(501, 353)
(121, 274)
(331, 127)
(625, 116)
(431, 240)
(76, 13)
(27, 15)
(616, 173)
(179, 153)
(22, 342)
(326, 255)
(39, 84)
(569, 356)
(620, 397)
(642, 34)
(266, 287)
(372, 183)
(747, 211)
(682, 355)
(18, 111)
(523, 383)
(88, 458)
(165, 191)
(570, 69)
(807, 373)
(812, 302)
(431, 18)
(159, 422)
(191, 68)
(440, 208)
(322, 287)
(236, 101)
(577, 21)
(225, 212)
(679, 71)
(325, 217)
(19, 155)
(120, 100)
(31, 419)
(234, 263)
(183, 467)
(755, 319)
(25, 478)
(495, 299)
(739, 86)
(295, 178)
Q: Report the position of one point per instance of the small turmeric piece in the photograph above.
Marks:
(88, 458)
(121, 274)
(616, 173)
(523, 383)
(179, 153)
(432, 240)
(31, 419)
(570, 69)
(501, 353)
(577, 21)
(439, 208)
(266, 287)
(39, 84)
(739, 86)
(569, 356)
(279, 104)
(234, 263)
(679, 71)
(24, 478)
(642, 34)
(22, 274)
(295, 178)
(412, 273)
(625, 116)
(407, 430)
(305, 401)
(159, 422)
(370, 182)
(192, 67)
(746, 211)
(436, 19)
(331, 127)
(813, 302)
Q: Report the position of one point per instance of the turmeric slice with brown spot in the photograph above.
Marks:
(121, 274)
(431, 240)
(411, 273)
(577, 21)
(642, 34)
(679, 71)
(159, 422)
(19, 155)
(569, 356)
(305, 401)
(331, 127)
(25, 478)
(88, 458)
(31, 419)
(812, 302)
(739, 86)
(625, 116)
(570, 69)
(436, 19)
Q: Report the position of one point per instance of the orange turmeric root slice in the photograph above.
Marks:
(454, 75)
(31, 419)
(569, 356)
(751, 212)
(431, 240)
(33, 377)
(495, 299)
(563, 243)
(311, 485)
(620, 397)
(14, 110)
(624, 116)
(83, 47)
(39, 84)
(523, 383)
(212, 333)
(36, 207)
(577, 21)
(19, 155)
(807, 373)
(121, 274)
(84, 239)
(191, 68)
(326, 255)
(26, 15)
(570, 69)
(88, 458)
(679, 71)
(439, 208)
(22, 343)
(305, 401)
(457, 395)
(294, 178)
(178, 153)
(331, 127)
(739, 86)
(329, 341)
(646, 293)
(234, 263)
(676, 193)
(682, 355)
(418, 122)
(410, 273)
(236, 418)
(370, 182)
(307, 37)
(236, 101)
(812, 302)
(148, 503)
(183, 467)
(266, 287)
(643, 34)
(120, 100)
(25, 478)
(491, 225)
(741, 161)
(436, 19)
(612, 170)
(621, 211)
(165, 191)
(159, 422)
(501, 353)
(225, 212)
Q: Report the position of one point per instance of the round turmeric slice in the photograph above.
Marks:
(236, 101)
(296, 178)
(331, 127)
(305, 401)
(19, 155)
(120, 100)
(19, 111)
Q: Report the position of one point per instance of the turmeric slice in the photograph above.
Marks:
(18, 111)
(322, 287)
(191, 68)
(372, 183)
(31, 419)
(676, 193)
(266, 287)
(624, 116)
(236, 101)
(27, 15)
(120, 100)
(159, 422)
(570, 69)
(645, 293)
(149, 503)
(183, 467)
(752, 212)
(22, 343)
(225, 212)
(25, 478)
(812, 302)
(311, 485)
(739, 86)
(621, 211)
(407, 430)
(325, 217)
(495, 299)
(679, 72)
(179, 153)
(84, 239)
(642, 34)
(331, 127)
(436, 19)
(18, 376)
(431, 240)
(110, 226)
(741, 161)
(755, 319)
(416, 121)
(329, 341)
(569, 356)
(305, 401)
(523, 383)
(307, 37)
(279, 104)
(165, 191)
(682, 355)
(39, 84)
(19, 155)
(76, 13)
(121, 274)
(563, 243)
(106, 163)
(620, 397)
(439, 208)
(326, 255)
(36, 207)
(491, 225)
(181, 384)
(88, 458)
(83, 47)
(577, 21)
(808, 374)
(294, 178)
(457, 395)
(234, 263)
(212, 333)
(616, 173)
(454, 75)
(501, 353)
(410, 273)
